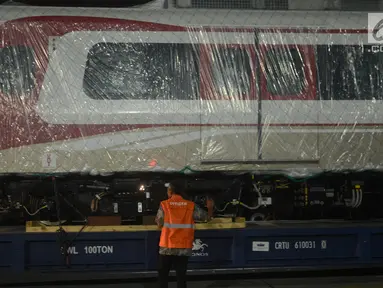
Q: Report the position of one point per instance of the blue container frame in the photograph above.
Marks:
(250, 248)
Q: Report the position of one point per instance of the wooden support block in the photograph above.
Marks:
(37, 227)
(104, 220)
(217, 223)
(215, 226)
(148, 220)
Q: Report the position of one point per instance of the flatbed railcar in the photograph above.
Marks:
(274, 122)
(266, 247)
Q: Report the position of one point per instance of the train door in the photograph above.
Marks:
(287, 103)
(228, 109)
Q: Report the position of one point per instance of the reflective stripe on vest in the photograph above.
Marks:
(179, 226)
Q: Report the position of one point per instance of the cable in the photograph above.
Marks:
(256, 281)
(63, 236)
(61, 233)
(237, 202)
(78, 233)
(71, 206)
(360, 193)
(353, 199)
(37, 211)
(257, 190)
(267, 284)
(249, 207)
(224, 208)
(260, 215)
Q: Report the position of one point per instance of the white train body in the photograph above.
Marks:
(128, 90)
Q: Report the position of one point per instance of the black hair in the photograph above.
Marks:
(178, 187)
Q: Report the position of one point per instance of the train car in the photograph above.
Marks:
(98, 92)
(136, 91)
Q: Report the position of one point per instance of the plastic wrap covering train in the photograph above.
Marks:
(127, 90)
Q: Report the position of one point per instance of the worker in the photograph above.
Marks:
(176, 217)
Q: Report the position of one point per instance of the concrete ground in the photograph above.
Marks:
(335, 282)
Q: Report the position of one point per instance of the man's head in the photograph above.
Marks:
(175, 188)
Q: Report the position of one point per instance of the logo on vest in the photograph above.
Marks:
(199, 248)
(179, 203)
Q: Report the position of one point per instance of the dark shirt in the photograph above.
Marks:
(199, 215)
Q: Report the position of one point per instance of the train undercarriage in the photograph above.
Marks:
(71, 199)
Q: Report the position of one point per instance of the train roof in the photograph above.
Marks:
(204, 17)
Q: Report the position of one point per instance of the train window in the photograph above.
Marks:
(284, 72)
(355, 72)
(135, 71)
(231, 71)
(17, 71)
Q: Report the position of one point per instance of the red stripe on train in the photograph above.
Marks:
(78, 23)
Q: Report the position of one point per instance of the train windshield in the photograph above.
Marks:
(135, 71)
(17, 71)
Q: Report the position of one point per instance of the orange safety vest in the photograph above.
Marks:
(178, 229)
